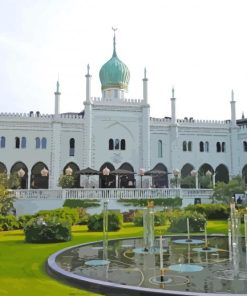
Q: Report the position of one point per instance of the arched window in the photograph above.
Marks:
(160, 148)
(245, 146)
(206, 146)
(2, 142)
(17, 142)
(43, 143)
(123, 146)
(116, 144)
(111, 144)
(223, 147)
(184, 146)
(189, 146)
(201, 147)
(72, 147)
(37, 142)
(218, 147)
(23, 142)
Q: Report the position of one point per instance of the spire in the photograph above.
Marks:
(57, 87)
(145, 73)
(173, 92)
(114, 42)
(232, 95)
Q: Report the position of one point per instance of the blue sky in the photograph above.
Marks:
(197, 46)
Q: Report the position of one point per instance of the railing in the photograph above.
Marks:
(111, 193)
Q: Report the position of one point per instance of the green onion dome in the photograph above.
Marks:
(114, 73)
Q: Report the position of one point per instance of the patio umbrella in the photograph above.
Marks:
(122, 172)
(88, 172)
(154, 172)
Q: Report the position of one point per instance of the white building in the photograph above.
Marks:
(116, 132)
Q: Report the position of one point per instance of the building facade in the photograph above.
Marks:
(118, 133)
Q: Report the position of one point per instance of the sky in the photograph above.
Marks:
(199, 47)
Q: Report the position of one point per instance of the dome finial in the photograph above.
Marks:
(114, 42)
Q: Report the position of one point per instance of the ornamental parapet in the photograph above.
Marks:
(110, 101)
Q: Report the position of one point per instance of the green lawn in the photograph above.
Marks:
(22, 264)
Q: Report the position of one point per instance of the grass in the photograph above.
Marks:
(22, 265)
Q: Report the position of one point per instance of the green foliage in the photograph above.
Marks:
(66, 181)
(6, 197)
(179, 223)
(188, 182)
(81, 203)
(68, 214)
(224, 192)
(8, 222)
(23, 219)
(171, 202)
(211, 211)
(115, 221)
(39, 230)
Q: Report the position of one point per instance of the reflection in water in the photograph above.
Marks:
(187, 267)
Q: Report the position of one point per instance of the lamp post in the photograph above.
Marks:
(176, 173)
(194, 173)
(141, 173)
(106, 173)
(21, 173)
(68, 171)
(44, 172)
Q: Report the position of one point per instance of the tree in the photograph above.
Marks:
(66, 181)
(224, 192)
(6, 196)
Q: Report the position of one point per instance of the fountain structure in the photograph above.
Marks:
(190, 265)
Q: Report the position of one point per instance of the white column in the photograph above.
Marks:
(54, 171)
(233, 140)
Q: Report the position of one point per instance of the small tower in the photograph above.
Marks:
(173, 107)
(57, 100)
(145, 87)
(88, 84)
(233, 110)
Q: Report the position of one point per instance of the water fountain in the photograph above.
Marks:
(145, 266)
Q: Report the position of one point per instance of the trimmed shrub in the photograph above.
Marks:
(115, 221)
(81, 203)
(211, 211)
(179, 223)
(67, 214)
(8, 222)
(40, 230)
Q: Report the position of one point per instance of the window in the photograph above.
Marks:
(37, 143)
(23, 142)
(2, 142)
(184, 146)
(43, 143)
(245, 146)
(116, 144)
(206, 147)
(189, 146)
(111, 144)
(72, 147)
(122, 144)
(218, 147)
(201, 145)
(160, 152)
(17, 142)
(223, 147)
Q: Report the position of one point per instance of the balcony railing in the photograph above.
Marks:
(111, 193)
